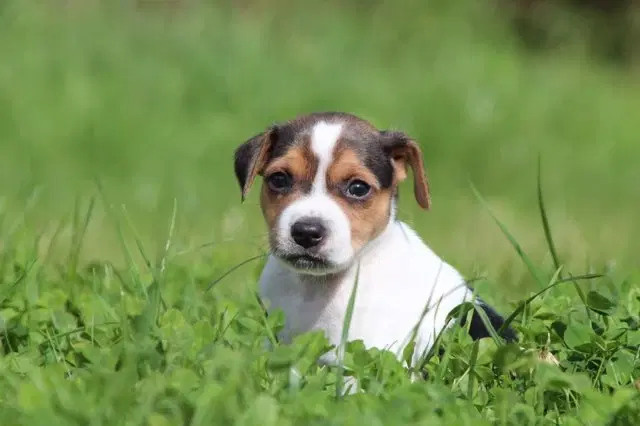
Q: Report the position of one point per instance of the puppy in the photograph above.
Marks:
(329, 196)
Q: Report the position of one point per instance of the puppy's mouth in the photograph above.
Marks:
(306, 263)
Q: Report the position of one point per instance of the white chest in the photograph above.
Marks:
(402, 287)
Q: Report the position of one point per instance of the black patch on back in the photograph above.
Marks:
(477, 328)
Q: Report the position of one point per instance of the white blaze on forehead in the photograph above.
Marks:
(336, 248)
(324, 137)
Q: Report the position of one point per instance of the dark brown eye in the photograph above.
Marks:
(279, 182)
(358, 189)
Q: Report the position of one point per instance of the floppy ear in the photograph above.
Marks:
(405, 152)
(250, 158)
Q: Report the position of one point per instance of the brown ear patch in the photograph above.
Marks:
(251, 157)
(399, 170)
(406, 152)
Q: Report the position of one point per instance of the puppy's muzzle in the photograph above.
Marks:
(308, 232)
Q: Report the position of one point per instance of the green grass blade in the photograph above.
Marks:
(234, 268)
(549, 238)
(138, 241)
(487, 323)
(545, 221)
(345, 335)
(134, 272)
(162, 262)
(529, 264)
(472, 369)
(522, 306)
(79, 232)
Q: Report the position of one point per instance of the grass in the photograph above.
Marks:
(121, 230)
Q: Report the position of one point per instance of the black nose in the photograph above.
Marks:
(308, 232)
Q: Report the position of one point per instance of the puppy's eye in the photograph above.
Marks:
(358, 189)
(279, 181)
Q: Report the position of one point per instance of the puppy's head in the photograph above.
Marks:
(329, 186)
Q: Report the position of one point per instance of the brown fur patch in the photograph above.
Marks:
(251, 158)
(381, 159)
(300, 163)
(368, 217)
(408, 154)
(346, 166)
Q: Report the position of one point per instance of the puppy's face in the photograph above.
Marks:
(329, 186)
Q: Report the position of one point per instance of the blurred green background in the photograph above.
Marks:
(151, 98)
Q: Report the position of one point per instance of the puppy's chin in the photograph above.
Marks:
(308, 264)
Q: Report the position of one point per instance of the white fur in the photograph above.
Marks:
(337, 246)
(399, 278)
(324, 138)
